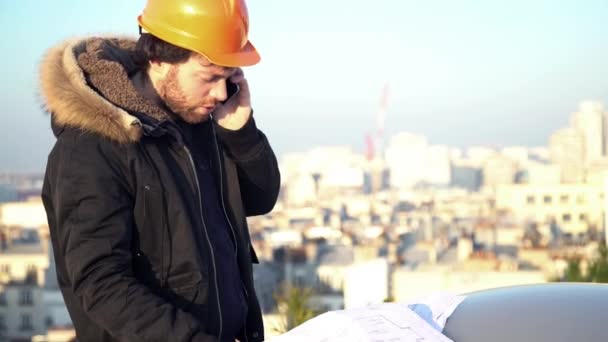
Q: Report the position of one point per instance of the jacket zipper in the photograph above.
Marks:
(219, 162)
(200, 203)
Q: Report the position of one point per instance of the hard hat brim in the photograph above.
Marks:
(248, 56)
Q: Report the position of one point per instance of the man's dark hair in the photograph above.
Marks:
(150, 48)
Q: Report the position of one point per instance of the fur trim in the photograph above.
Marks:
(72, 102)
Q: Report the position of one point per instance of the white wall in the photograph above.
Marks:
(13, 311)
(408, 285)
(19, 263)
(23, 214)
(366, 283)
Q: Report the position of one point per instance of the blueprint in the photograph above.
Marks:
(388, 322)
(437, 308)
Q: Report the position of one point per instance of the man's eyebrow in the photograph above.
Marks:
(207, 63)
(223, 72)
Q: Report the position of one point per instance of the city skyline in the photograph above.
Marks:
(361, 147)
(455, 223)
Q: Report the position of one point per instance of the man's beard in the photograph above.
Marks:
(172, 94)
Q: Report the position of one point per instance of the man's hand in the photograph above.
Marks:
(234, 114)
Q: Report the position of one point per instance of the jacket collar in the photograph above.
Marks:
(86, 84)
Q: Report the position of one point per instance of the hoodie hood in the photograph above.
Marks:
(86, 84)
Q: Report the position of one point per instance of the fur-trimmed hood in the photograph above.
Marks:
(86, 84)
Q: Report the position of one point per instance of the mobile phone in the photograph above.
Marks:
(231, 90)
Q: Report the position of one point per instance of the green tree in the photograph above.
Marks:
(598, 268)
(597, 272)
(294, 303)
(573, 272)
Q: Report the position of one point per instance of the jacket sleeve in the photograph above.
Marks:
(257, 166)
(94, 222)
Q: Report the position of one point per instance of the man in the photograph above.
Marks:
(155, 168)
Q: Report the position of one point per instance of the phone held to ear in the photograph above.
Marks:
(231, 90)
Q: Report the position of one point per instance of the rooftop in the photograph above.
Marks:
(23, 249)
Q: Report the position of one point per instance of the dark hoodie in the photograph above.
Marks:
(229, 284)
(140, 232)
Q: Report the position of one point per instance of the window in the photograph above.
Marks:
(564, 199)
(547, 199)
(31, 276)
(530, 199)
(582, 217)
(26, 323)
(567, 217)
(26, 298)
(5, 268)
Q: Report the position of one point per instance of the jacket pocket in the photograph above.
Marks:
(152, 203)
(144, 271)
(190, 292)
(153, 230)
(184, 297)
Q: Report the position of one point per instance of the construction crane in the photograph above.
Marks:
(374, 142)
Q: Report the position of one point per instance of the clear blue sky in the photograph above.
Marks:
(461, 72)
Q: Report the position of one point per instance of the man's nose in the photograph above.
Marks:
(219, 91)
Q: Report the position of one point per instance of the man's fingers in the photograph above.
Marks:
(238, 76)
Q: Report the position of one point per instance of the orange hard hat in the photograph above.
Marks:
(217, 29)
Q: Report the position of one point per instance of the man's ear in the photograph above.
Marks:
(158, 68)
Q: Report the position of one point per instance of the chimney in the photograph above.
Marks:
(3, 241)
